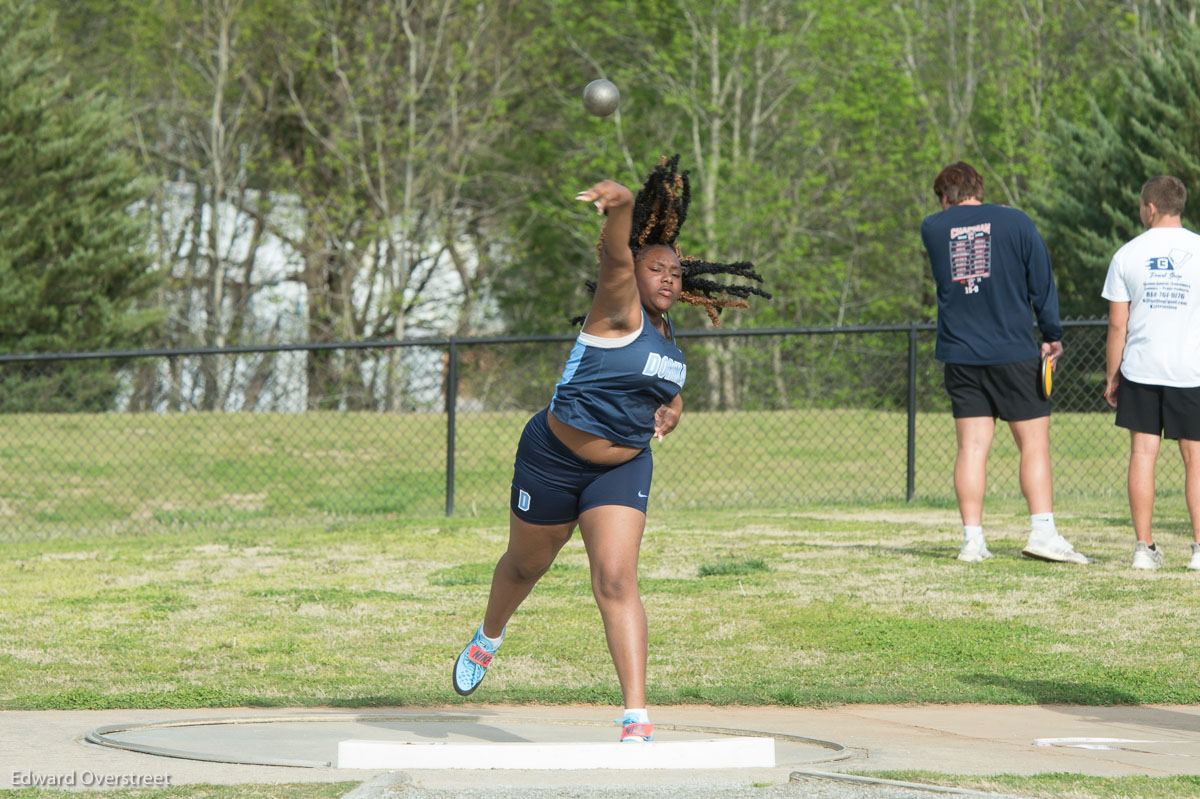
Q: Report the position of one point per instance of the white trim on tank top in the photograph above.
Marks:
(612, 343)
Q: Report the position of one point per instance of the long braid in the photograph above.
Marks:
(659, 211)
(661, 206)
(714, 297)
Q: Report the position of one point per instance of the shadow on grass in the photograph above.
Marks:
(932, 550)
(1053, 692)
(940, 551)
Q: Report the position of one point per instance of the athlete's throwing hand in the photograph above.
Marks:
(606, 194)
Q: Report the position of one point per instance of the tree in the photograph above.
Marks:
(1092, 207)
(382, 123)
(74, 260)
(182, 66)
(351, 138)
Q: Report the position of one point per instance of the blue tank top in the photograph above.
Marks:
(612, 387)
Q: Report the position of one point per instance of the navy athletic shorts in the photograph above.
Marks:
(1158, 410)
(553, 485)
(1007, 390)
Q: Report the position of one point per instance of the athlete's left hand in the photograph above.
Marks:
(665, 419)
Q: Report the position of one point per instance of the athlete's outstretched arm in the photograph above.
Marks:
(615, 306)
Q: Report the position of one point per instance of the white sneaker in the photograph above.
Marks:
(1146, 558)
(1054, 548)
(1194, 563)
(974, 550)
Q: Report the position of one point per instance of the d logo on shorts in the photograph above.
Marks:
(523, 499)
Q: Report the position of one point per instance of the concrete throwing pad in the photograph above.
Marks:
(728, 753)
(458, 741)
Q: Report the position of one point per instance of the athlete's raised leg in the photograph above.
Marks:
(531, 551)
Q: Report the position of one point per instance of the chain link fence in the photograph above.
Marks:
(117, 441)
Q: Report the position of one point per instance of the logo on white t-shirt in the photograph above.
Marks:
(1162, 287)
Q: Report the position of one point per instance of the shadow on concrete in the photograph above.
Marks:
(1092, 703)
(464, 727)
(1160, 718)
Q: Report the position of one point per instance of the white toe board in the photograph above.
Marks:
(733, 752)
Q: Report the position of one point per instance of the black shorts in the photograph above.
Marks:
(1007, 390)
(553, 485)
(1158, 410)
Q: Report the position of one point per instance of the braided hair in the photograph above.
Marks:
(659, 211)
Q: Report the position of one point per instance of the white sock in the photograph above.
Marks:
(972, 531)
(1043, 525)
(637, 714)
(495, 642)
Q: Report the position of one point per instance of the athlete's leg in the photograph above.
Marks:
(1143, 452)
(1191, 466)
(613, 537)
(1033, 442)
(531, 550)
(974, 434)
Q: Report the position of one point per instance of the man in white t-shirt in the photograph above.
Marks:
(1153, 289)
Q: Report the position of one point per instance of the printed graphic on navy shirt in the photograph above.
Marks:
(971, 255)
(1164, 287)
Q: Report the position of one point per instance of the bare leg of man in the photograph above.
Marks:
(613, 537)
(1143, 452)
(974, 434)
(1032, 437)
(1191, 465)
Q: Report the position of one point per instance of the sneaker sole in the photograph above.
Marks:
(1050, 557)
(1033, 553)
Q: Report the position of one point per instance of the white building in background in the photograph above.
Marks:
(277, 312)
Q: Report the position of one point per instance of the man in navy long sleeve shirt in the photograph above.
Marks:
(993, 278)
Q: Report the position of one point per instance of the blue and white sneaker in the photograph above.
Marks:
(473, 662)
(634, 731)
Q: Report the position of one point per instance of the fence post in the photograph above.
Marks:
(912, 411)
(451, 407)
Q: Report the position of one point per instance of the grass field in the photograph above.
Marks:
(333, 580)
(814, 606)
(79, 474)
(806, 607)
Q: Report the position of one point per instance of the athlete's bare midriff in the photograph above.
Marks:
(590, 447)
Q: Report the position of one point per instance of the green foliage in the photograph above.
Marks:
(73, 262)
(1093, 207)
(813, 131)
